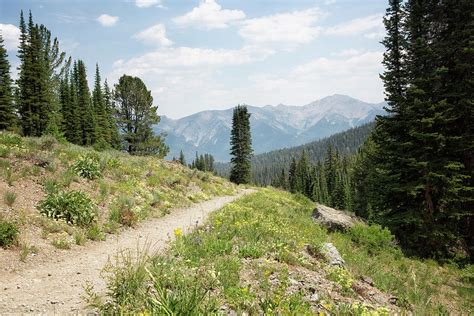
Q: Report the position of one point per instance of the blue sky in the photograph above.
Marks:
(196, 55)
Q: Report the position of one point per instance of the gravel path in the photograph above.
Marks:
(57, 286)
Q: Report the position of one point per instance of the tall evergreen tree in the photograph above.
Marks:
(102, 130)
(292, 180)
(423, 148)
(182, 160)
(84, 107)
(38, 82)
(241, 146)
(135, 116)
(111, 115)
(7, 111)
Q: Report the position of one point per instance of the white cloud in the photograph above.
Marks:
(356, 64)
(107, 20)
(155, 34)
(164, 59)
(147, 3)
(348, 52)
(292, 28)
(209, 15)
(357, 76)
(10, 34)
(329, 2)
(193, 78)
(371, 26)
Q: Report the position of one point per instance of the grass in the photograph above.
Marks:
(79, 238)
(251, 253)
(9, 197)
(61, 243)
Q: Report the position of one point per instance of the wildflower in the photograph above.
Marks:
(178, 232)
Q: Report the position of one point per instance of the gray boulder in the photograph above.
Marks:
(334, 220)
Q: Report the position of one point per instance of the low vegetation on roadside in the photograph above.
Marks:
(253, 256)
(59, 195)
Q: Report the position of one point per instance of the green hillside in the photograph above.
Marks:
(262, 254)
(93, 193)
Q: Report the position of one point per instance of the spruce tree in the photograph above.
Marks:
(102, 130)
(182, 160)
(7, 111)
(37, 98)
(241, 146)
(111, 116)
(292, 182)
(84, 106)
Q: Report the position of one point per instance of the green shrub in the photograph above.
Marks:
(88, 166)
(47, 142)
(61, 243)
(74, 207)
(4, 151)
(374, 237)
(10, 139)
(8, 233)
(9, 197)
(50, 186)
(122, 211)
(95, 233)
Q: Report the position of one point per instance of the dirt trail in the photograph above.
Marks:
(57, 286)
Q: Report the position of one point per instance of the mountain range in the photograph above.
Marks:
(272, 127)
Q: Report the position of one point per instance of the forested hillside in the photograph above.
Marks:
(51, 96)
(268, 166)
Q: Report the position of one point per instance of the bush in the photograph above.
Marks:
(74, 207)
(122, 212)
(47, 142)
(8, 233)
(88, 166)
(374, 237)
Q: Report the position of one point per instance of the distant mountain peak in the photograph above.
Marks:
(273, 127)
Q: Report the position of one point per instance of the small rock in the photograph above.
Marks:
(18, 287)
(393, 300)
(49, 274)
(78, 272)
(332, 255)
(367, 280)
(314, 297)
(54, 302)
(293, 282)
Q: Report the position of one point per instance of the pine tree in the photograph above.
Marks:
(423, 148)
(241, 146)
(111, 116)
(37, 98)
(292, 182)
(182, 160)
(84, 106)
(7, 110)
(135, 116)
(102, 130)
(455, 50)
